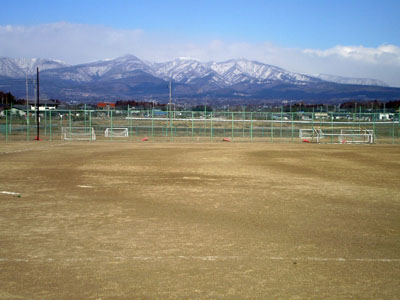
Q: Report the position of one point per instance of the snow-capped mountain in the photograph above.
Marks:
(226, 73)
(181, 70)
(108, 69)
(350, 80)
(240, 70)
(19, 67)
(129, 77)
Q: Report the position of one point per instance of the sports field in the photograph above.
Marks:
(136, 220)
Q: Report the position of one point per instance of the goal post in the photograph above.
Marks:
(78, 134)
(116, 132)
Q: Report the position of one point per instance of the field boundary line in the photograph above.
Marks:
(204, 258)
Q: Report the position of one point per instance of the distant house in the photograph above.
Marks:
(321, 115)
(43, 105)
(159, 112)
(105, 106)
(385, 116)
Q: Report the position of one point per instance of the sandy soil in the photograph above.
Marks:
(199, 221)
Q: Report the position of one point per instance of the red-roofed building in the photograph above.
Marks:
(106, 106)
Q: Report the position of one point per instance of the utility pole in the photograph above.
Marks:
(37, 105)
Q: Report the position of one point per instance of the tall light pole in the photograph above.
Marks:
(27, 92)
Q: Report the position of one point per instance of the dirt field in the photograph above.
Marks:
(194, 221)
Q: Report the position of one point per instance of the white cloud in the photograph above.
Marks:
(80, 43)
(384, 54)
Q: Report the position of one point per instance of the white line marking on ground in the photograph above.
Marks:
(204, 258)
(30, 149)
(85, 186)
(10, 193)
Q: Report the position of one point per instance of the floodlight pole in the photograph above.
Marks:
(27, 106)
(37, 104)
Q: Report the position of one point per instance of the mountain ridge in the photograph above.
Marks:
(128, 77)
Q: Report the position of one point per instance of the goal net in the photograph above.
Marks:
(356, 136)
(116, 132)
(78, 134)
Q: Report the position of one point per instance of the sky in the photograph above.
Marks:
(347, 38)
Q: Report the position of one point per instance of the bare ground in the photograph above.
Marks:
(186, 221)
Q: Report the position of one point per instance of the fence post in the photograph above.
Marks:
(6, 113)
(85, 112)
(211, 124)
(281, 122)
(331, 127)
(373, 125)
(272, 127)
(232, 127)
(27, 124)
(192, 126)
(45, 120)
(70, 125)
(130, 122)
(393, 131)
(111, 123)
(90, 125)
(292, 124)
(152, 122)
(10, 121)
(398, 126)
(171, 129)
(312, 124)
(243, 122)
(51, 138)
(251, 126)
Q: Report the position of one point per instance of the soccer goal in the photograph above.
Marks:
(78, 134)
(311, 134)
(116, 132)
(345, 136)
(356, 136)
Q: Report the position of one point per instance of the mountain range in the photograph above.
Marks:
(236, 81)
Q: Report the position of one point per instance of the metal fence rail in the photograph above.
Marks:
(196, 126)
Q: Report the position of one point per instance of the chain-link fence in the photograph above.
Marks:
(156, 125)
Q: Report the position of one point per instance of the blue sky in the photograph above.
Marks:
(348, 38)
(313, 23)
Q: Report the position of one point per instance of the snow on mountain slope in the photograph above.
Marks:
(226, 73)
(350, 80)
(18, 67)
(181, 70)
(117, 68)
(239, 70)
